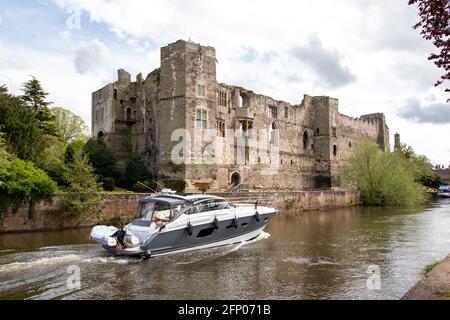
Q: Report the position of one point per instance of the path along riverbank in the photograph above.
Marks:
(434, 286)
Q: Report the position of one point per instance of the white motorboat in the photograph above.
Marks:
(169, 223)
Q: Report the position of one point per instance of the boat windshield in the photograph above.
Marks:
(160, 212)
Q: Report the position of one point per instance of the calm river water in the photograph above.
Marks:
(314, 255)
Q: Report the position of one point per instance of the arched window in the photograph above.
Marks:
(100, 135)
(235, 179)
(273, 134)
(305, 140)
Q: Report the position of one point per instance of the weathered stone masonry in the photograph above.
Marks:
(183, 93)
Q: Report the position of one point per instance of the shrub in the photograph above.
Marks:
(383, 178)
(83, 191)
(23, 181)
(136, 171)
(177, 185)
(101, 158)
(108, 183)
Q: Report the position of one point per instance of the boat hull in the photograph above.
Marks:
(199, 237)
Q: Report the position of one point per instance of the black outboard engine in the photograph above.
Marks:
(120, 236)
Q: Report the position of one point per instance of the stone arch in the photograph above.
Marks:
(128, 113)
(273, 133)
(305, 139)
(236, 178)
(100, 135)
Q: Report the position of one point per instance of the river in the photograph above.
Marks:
(312, 255)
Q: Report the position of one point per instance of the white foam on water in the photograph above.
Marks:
(228, 249)
(106, 260)
(42, 262)
(309, 261)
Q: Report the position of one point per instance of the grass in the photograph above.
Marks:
(429, 267)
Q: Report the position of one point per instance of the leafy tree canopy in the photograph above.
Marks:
(83, 192)
(34, 97)
(69, 125)
(383, 178)
(435, 26)
(23, 133)
(101, 158)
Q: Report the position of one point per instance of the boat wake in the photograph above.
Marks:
(215, 253)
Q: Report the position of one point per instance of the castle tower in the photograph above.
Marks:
(397, 143)
(187, 100)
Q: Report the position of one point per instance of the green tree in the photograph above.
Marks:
(22, 130)
(23, 181)
(136, 171)
(383, 178)
(51, 159)
(421, 166)
(101, 158)
(83, 192)
(73, 147)
(69, 125)
(5, 157)
(34, 97)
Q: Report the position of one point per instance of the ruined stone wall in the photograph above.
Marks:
(47, 216)
(142, 116)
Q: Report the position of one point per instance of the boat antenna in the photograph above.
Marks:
(147, 187)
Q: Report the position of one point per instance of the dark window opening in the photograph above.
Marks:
(335, 150)
(273, 134)
(305, 140)
(220, 126)
(115, 94)
(100, 135)
(235, 179)
(334, 130)
(349, 144)
(128, 113)
(206, 232)
(286, 112)
(318, 131)
(222, 98)
(273, 112)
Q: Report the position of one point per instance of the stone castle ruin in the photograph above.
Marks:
(311, 138)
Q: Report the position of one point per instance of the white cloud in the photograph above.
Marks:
(90, 56)
(370, 40)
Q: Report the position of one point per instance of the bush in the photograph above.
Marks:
(383, 178)
(51, 160)
(23, 181)
(177, 185)
(108, 183)
(83, 192)
(73, 147)
(136, 171)
(101, 158)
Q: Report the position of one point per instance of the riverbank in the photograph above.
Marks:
(435, 285)
(47, 215)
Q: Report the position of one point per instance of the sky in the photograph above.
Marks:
(362, 52)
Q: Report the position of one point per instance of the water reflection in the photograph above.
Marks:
(314, 255)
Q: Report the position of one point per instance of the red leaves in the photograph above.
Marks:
(435, 25)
